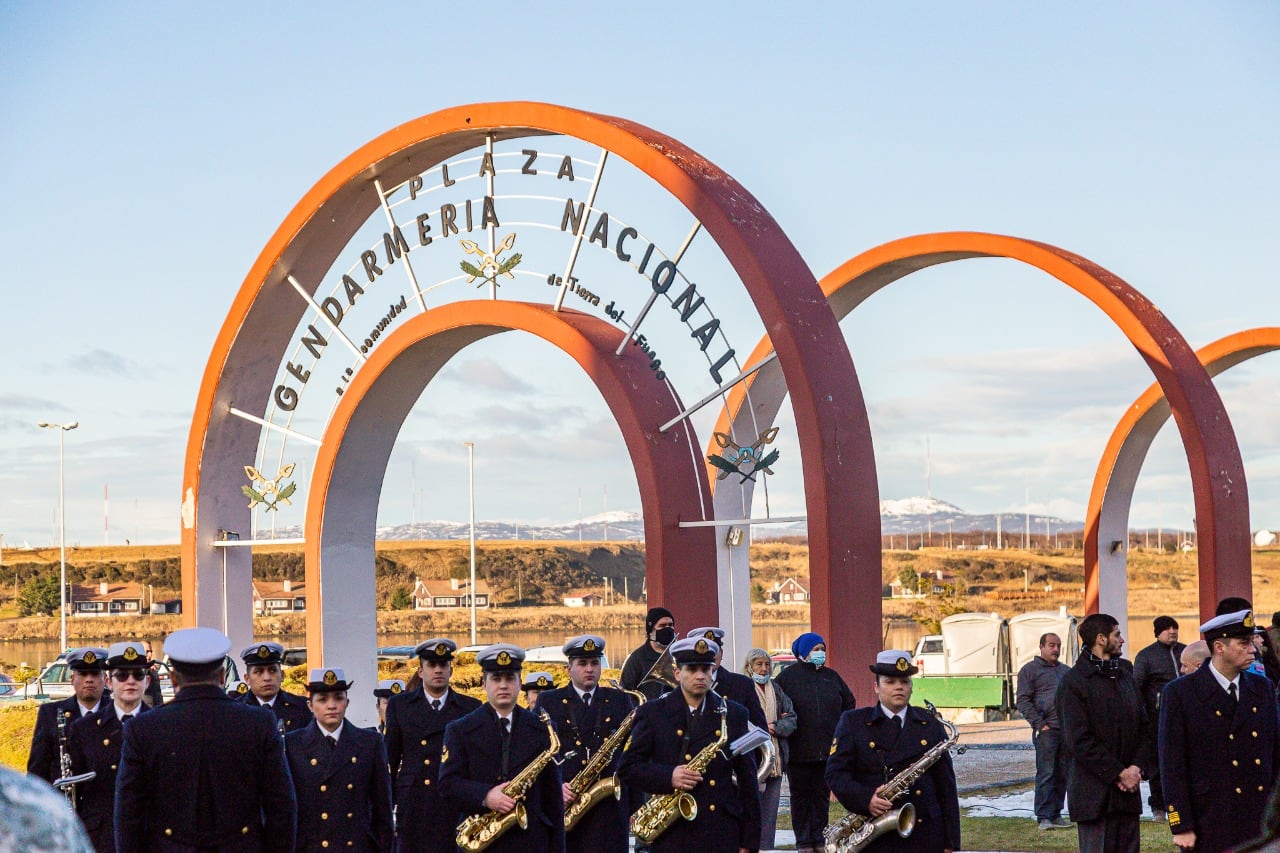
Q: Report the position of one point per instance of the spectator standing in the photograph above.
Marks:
(1037, 689)
(1193, 656)
(659, 632)
(1153, 668)
(1105, 728)
(781, 716)
(819, 696)
(154, 697)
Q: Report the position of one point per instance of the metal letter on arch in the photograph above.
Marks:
(830, 417)
(1217, 474)
(1107, 520)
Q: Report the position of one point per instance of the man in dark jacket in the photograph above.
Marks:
(264, 673)
(1037, 689)
(730, 684)
(659, 632)
(820, 696)
(229, 788)
(87, 667)
(1105, 729)
(1153, 668)
(1219, 744)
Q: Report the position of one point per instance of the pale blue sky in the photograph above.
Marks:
(149, 153)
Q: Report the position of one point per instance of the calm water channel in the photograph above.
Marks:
(620, 641)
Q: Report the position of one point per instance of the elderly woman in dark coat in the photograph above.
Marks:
(782, 722)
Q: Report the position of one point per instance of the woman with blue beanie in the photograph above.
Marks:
(820, 696)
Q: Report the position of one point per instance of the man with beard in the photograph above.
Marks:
(660, 632)
(95, 741)
(1105, 727)
(415, 725)
(264, 674)
(874, 744)
(87, 668)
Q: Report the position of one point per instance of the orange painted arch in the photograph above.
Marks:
(1217, 473)
(1127, 448)
(357, 444)
(840, 485)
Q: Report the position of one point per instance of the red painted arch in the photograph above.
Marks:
(840, 484)
(1217, 473)
(1117, 473)
(362, 431)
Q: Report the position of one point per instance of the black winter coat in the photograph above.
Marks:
(1104, 731)
(820, 696)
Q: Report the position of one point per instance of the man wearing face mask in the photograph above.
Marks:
(660, 631)
(820, 696)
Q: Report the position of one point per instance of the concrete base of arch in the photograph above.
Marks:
(349, 469)
(1106, 548)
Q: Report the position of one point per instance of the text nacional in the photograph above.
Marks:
(450, 219)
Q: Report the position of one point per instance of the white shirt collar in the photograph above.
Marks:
(902, 715)
(581, 693)
(335, 734)
(120, 712)
(1222, 680)
(444, 697)
(86, 710)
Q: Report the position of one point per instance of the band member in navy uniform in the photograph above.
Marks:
(203, 772)
(264, 675)
(585, 715)
(876, 743)
(339, 774)
(732, 685)
(492, 745)
(415, 737)
(1219, 747)
(382, 694)
(535, 684)
(670, 732)
(95, 739)
(87, 669)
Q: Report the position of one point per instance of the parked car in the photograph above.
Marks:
(296, 656)
(781, 660)
(554, 655)
(931, 655)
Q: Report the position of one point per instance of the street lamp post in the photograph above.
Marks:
(471, 488)
(62, 522)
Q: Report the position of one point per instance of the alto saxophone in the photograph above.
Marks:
(67, 782)
(480, 830)
(587, 786)
(855, 832)
(658, 814)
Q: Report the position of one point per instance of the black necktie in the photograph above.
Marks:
(126, 718)
(435, 704)
(897, 722)
(333, 741)
(506, 747)
(586, 699)
(1231, 691)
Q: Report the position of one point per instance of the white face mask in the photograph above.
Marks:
(759, 679)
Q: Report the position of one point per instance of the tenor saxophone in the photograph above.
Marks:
(855, 832)
(480, 830)
(587, 786)
(658, 814)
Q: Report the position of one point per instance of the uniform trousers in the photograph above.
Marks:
(810, 801)
(1112, 833)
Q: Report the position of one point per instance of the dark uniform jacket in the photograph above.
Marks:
(728, 814)
(637, 666)
(1104, 731)
(94, 744)
(291, 710)
(472, 763)
(820, 696)
(43, 760)
(868, 750)
(1153, 668)
(414, 738)
(1217, 763)
(739, 688)
(582, 730)
(204, 772)
(344, 792)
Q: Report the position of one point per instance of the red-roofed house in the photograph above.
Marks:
(436, 594)
(284, 596)
(107, 599)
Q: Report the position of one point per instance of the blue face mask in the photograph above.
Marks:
(818, 658)
(760, 679)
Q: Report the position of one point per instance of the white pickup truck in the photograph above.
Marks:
(931, 655)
